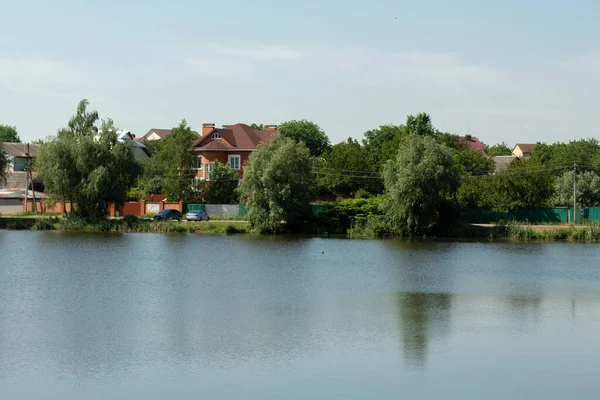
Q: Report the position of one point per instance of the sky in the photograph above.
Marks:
(512, 71)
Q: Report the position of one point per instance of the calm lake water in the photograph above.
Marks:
(153, 316)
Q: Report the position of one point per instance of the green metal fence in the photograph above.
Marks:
(243, 210)
(533, 215)
(193, 207)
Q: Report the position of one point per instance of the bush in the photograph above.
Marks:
(130, 220)
(44, 224)
(338, 217)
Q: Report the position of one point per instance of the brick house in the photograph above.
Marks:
(473, 144)
(231, 144)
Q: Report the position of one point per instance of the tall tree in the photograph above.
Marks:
(588, 189)
(87, 167)
(171, 168)
(308, 132)
(382, 144)
(8, 134)
(346, 168)
(469, 162)
(499, 149)
(277, 185)
(418, 181)
(223, 184)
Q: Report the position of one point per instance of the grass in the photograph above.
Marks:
(128, 224)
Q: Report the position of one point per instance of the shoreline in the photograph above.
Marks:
(512, 232)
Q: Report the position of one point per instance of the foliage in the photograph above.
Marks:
(345, 169)
(277, 185)
(382, 144)
(588, 189)
(260, 127)
(500, 149)
(417, 182)
(308, 132)
(87, 167)
(469, 162)
(522, 184)
(8, 134)
(560, 156)
(222, 188)
(338, 217)
(170, 169)
(3, 166)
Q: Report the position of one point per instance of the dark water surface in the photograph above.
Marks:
(152, 316)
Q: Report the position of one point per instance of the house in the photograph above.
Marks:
(502, 162)
(473, 144)
(159, 134)
(139, 150)
(523, 149)
(231, 144)
(19, 154)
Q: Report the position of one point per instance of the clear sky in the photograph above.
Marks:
(513, 71)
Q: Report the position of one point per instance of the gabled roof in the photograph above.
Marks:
(20, 149)
(18, 180)
(473, 143)
(162, 133)
(234, 137)
(525, 147)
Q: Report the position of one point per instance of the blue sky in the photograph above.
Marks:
(513, 71)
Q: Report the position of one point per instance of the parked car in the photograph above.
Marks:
(196, 215)
(168, 214)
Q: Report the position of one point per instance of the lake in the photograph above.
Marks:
(155, 316)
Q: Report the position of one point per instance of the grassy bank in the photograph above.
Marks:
(121, 225)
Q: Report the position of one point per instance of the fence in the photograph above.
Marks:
(534, 215)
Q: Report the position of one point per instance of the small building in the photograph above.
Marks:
(139, 150)
(19, 154)
(473, 144)
(159, 134)
(523, 150)
(231, 144)
(502, 162)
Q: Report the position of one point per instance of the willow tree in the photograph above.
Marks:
(277, 185)
(86, 166)
(418, 181)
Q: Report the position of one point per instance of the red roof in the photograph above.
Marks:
(234, 137)
(473, 143)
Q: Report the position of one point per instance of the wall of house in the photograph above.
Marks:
(11, 206)
(222, 156)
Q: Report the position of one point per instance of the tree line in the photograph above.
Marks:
(409, 179)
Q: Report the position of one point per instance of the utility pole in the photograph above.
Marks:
(574, 192)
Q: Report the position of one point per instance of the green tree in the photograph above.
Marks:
(500, 149)
(382, 144)
(87, 167)
(308, 132)
(171, 168)
(346, 168)
(523, 184)
(258, 126)
(560, 156)
(418, 181)
(469, 162)
(8, 134)
(420, 125)
(277, 185)
(222, 188)
(3, 166)
(588, 189)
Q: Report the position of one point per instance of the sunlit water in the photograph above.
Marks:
(152, 316)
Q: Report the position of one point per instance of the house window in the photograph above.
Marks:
(207, 172)
(216, 136)
(234, 161)
(197, 164)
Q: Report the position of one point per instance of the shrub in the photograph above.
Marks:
(44, 224)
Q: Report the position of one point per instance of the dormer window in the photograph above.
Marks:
(216, 136)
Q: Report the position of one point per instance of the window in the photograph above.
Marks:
(208, 172)
(234, 161)
(197, 164)
(216, 136)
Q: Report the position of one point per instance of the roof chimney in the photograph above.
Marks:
(207, 128)
(468, 137)
(270, 127)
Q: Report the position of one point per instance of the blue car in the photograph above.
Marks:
(168, 214)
